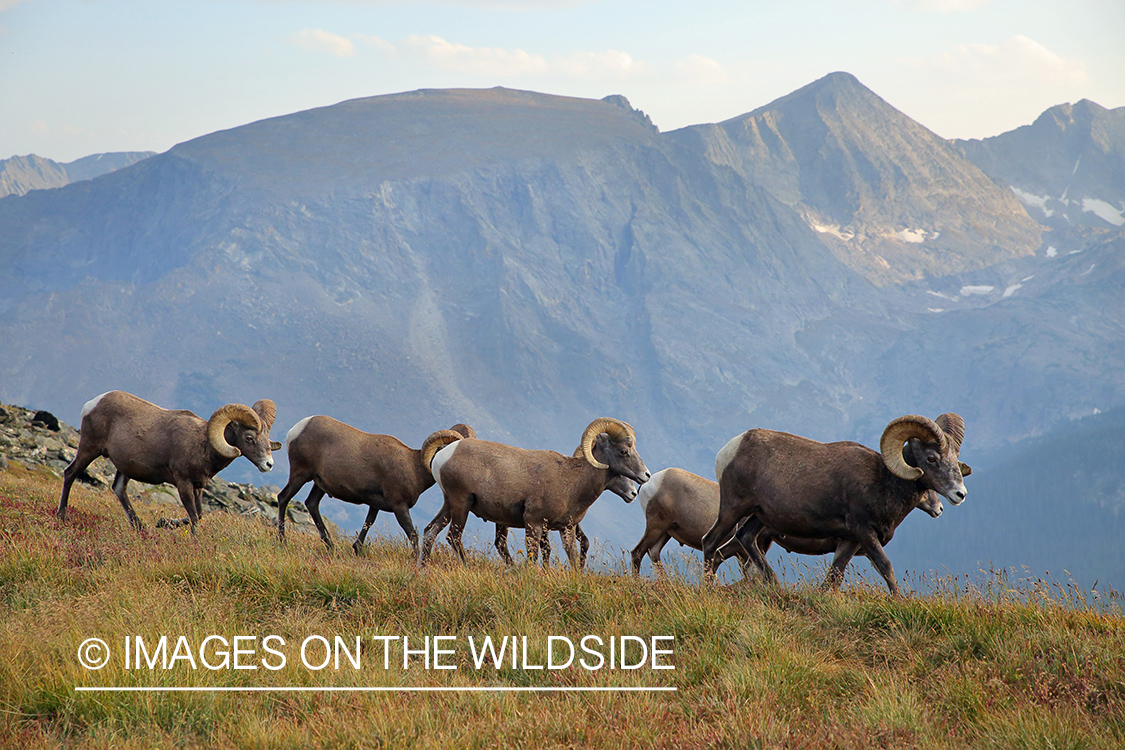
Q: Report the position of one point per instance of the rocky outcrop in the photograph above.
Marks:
(37, 439)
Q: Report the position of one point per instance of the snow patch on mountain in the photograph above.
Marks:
(1034, 201)
(1105, 211)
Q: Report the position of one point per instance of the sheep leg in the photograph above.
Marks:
(845, 551)
(545, 545)
(457, 520)
(583, 546)
(720, 532)
(82, 459)
(402, 515)
(748, 540)
(288, 493)
(570, 544)
(882, 563)
(120, 482)
(429, 534)
(501, 544)
(648, 539)
(654, 553)
(533, 535)
(187, 498)
(312, 503)
(372, 511)
(199, 502)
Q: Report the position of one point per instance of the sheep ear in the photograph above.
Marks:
(966, 470)
(275, 446)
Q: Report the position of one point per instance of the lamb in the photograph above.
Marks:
(841, 491)
(683, 506)
(379, 471)
(530, 489)
(154, 445)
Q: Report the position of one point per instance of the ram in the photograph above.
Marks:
(534, 490)
(155, 445)
(683, 506)
(379, 471)
(842, 491)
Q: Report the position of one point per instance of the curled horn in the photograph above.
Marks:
(435, 442)
(898, 432)
(954, 428)
(464, 429)
(217, 425)
(267, 412)
(616, 430)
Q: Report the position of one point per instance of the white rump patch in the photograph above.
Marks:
(650, 488)
(439, 460)
(726, 455)
(89, 405)
(296, 430)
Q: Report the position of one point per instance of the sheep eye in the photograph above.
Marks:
(932, 459)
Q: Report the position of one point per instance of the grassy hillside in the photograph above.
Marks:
(754, 666)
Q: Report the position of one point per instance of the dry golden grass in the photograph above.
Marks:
(755, 666)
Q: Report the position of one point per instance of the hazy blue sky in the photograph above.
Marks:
(80, 77)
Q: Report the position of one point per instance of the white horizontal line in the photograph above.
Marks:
(375, 689)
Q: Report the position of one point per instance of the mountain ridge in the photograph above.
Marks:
(21, 174)
(596, 267)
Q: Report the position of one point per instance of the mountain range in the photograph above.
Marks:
(527, 262)
(20, 174)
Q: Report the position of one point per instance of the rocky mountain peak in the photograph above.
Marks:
(887, 195)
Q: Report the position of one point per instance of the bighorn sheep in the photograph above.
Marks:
(841, 491)
(621, 486)
(530, 489)
(683, 506)
(155, 445)
(378, 471)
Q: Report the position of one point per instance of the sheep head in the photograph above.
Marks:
(249, 430)
(619, 485)
(916, 448)
(615, 443)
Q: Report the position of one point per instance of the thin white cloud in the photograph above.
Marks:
(1003, 85)
(382, 45)
(1019, 61)
(701, 71)
(489, 61)
(607, 64)
(324, 41)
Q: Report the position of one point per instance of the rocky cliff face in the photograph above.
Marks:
(887, 196)
(1067, 168)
